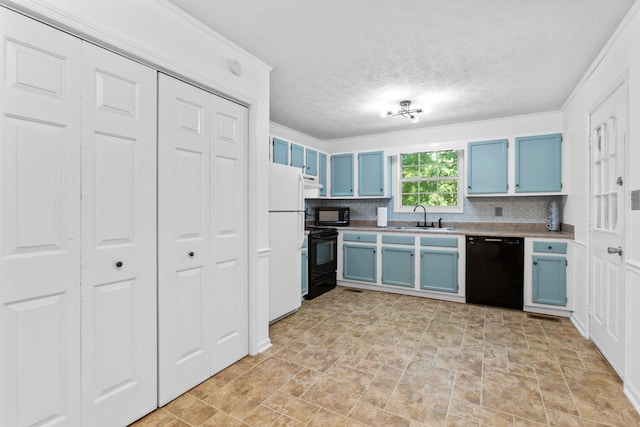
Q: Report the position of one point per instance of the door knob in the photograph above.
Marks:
(119, 264)
(191, 254)
(617, 250)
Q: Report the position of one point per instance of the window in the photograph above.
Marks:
(432, 179)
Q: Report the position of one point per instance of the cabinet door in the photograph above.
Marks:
(371, 174)
(312, 162)
(549, 280)
(398, 266)
(304, 282)
(439, 270)
(342, 175)
(539, 163)
(297, 156)
(487, 167)
(280, 151)
(322, 173)
(359, 263)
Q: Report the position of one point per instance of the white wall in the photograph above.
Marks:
(451, 136)
(620, 57)
(157, 33)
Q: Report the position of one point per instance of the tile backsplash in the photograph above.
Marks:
(529, 209)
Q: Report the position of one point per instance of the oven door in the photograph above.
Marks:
(323, 254)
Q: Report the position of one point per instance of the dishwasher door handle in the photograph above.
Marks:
(493, 240)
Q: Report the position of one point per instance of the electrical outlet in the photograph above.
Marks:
(498, 211)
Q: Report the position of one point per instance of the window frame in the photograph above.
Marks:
(397, 184)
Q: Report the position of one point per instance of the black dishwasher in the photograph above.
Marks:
(495, 271)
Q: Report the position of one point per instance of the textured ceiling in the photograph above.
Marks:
(338, 63)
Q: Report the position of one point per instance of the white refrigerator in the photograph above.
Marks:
(286, 235)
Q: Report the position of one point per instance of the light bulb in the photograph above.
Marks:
(414, 119)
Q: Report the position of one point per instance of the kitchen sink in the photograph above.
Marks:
(436, 229)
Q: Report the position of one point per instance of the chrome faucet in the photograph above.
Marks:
(425, 216)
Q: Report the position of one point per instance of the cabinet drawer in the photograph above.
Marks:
(397, 240)
(360, 237)
(550, 247)
(447, 242)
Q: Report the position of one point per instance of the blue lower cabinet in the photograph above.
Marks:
(398, 266)
(359, 263)
(549, 284)
(439, 270)
(304, 287)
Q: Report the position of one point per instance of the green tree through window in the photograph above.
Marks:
(429, 178)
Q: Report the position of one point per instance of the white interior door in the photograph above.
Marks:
(184, 238)
(229, 287)
(119, 344)
(608, 139)
(39, 224)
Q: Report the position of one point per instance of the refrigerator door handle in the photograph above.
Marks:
(301, 229)
(301, 192)
(301, 214)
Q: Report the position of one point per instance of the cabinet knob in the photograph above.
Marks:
(119, 264)
(191, 254)
(374, 251)
(549, 247)
(535, 262)
(469, 187)
(517, 185)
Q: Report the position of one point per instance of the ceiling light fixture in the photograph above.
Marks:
(404, 112)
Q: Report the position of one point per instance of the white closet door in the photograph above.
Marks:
(119, 329)
(39, 224)
(184, 238)
(229, 297)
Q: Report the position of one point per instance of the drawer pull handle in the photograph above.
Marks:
(119, 264)
(549, 247)
(191, 254)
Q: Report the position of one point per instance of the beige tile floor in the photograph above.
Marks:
(353, 358)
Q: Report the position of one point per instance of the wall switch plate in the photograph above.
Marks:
(635, 200)
(498, 211)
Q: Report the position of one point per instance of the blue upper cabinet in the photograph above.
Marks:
(297, 156)
(312, 162)
(371, 174)
(280, 151)
(342, 175)
(539, 163)
(322, 173)
(487, 167)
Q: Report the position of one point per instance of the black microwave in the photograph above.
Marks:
(332, 216)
